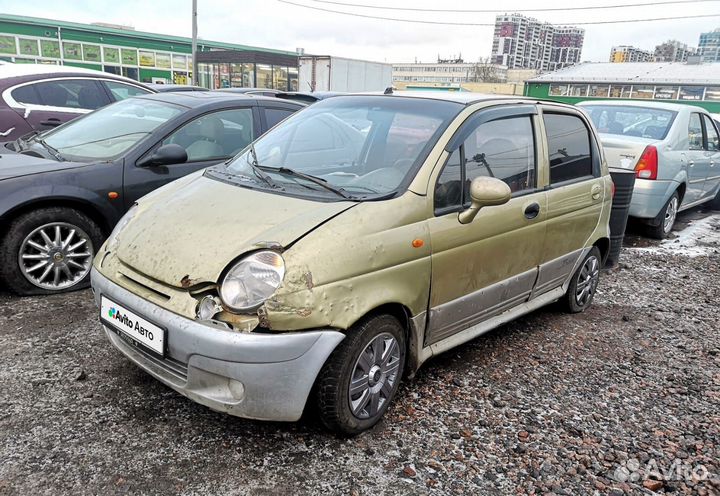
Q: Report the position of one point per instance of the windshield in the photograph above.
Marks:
(109, 132)
(631, 121)
(358, 146)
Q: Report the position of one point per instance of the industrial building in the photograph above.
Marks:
(695, 84)
(449, 72)
(145, 57)
(521, 42)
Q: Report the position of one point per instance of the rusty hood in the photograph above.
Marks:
(188, 232)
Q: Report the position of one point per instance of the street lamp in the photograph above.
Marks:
(194, 43)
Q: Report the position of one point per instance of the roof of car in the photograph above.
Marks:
(51, 70)
(677, 107)
(194, 99)
(462, 97)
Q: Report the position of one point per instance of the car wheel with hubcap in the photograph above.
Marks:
(666, 218)
(360, 379)
(584, 283)
(49, 250)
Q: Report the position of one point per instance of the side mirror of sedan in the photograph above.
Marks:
(165, 155)
(484, 192)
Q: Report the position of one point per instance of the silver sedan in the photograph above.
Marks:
(674, 150)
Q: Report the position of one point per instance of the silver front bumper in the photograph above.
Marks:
(259, 376)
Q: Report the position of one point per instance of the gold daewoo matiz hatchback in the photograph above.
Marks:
(352, 242)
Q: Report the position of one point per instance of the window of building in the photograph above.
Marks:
(264, 76)
(691, 92)
(280, 78)
(644, 92)
(558, 90)
(712, 93)
(568, 147)
(578, 90)
(620, 91)
(695, 134)
(599, 90)
(666, 92)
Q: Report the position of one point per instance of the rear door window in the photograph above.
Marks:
(568, 148)
(713, 141)
(72, 93)
(695, 133)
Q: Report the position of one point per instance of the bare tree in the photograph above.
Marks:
(483, 71)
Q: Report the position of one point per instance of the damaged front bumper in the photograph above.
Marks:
(259, 376)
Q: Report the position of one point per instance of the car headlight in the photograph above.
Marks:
(112, 240)
(252, 280)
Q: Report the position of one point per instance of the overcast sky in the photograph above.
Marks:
(271, 24)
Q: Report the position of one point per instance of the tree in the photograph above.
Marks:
(484, 71)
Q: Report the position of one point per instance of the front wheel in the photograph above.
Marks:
(584, 283)
(360, 379)
(667, 218)
(49, 250)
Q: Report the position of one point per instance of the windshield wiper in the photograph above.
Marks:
(257, 170)
(51, 150)
(313, 179)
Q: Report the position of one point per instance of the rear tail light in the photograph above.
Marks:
(647, 166)
(612, 189)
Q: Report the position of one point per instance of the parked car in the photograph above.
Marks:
(351, 243)
(62, 192)
(252, 91)
(674, 149)
(309, 97)
(162, 88)
(37, 97)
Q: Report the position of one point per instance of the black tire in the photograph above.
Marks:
(332, 389)
(659, 229)
(584, 277)
(715, 203)
(10, 245)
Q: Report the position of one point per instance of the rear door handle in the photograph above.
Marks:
(532, 210)
(691, 163)
(595, 192)
(52, 122)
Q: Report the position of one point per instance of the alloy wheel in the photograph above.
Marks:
(374, 375)
(587, 281)
(670, 214)
(56, 256)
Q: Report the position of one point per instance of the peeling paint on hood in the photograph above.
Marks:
(190, 232)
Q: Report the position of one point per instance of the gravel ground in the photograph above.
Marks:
(605, 402)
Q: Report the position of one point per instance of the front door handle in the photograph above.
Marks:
(532, 210)
(595, 192)
(691, 163)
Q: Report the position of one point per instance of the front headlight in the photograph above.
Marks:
(252, 280)
(112, 240)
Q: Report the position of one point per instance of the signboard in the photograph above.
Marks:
(91, 53)
(147, 59)
(179, 62)
(111, 55)
(50, 48)
(28, 46)
(162, 60)
(72, 51)
(129, 57)
(7, 44)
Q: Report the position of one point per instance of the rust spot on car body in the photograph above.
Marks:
(186, 282)
(309, 280)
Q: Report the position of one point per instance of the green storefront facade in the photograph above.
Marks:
(145, 57)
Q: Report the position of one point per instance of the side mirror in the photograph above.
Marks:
(484, 192)
(165, 155)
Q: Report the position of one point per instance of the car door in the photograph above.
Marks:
(575, 193)
(712, 154)
(208, 139)
(49, 103)
(489, 265)
(696, 160)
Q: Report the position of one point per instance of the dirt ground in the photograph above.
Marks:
(623, 399)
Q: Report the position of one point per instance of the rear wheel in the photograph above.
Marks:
(666, 218)
(49, 250)
(584, 283)
(360, 379)
(715, 204)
